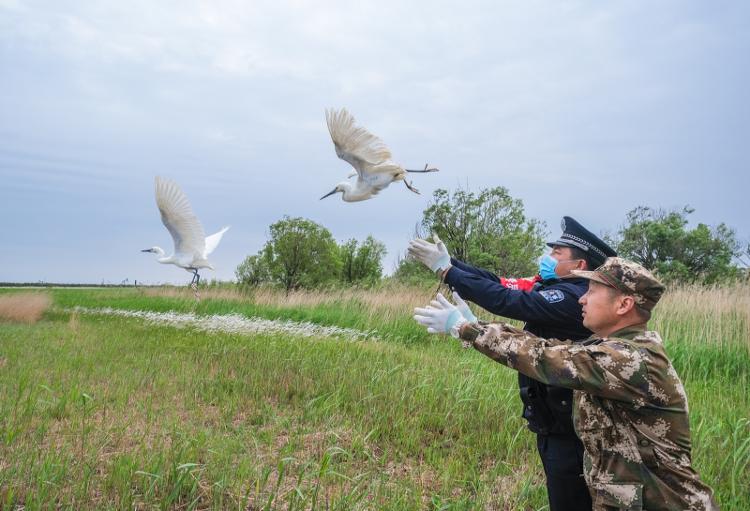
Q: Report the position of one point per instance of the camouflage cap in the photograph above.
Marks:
(628, 277)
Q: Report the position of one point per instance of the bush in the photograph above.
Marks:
(303, 254)
(661, 241)
(489, 230)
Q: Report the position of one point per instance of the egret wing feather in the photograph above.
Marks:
(377, 189)
(375, 183)
(179, 219)
(354, 144)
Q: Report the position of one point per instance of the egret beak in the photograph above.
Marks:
(329, 194)
(146, 250)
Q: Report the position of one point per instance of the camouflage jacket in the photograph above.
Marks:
(630, 411)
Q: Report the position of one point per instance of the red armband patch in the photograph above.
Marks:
(521, 284)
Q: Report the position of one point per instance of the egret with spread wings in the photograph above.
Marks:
(368, 155)
(191, 246)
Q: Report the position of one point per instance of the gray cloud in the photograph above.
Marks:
(578, 108)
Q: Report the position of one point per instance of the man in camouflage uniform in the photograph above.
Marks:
(630, 410)
(548, 306)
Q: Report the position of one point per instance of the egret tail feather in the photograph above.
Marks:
(213, 241)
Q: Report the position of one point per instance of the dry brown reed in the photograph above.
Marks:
(73, 321)
(184, 292)
(715, 315)
(396, 297)
(23, 307)
(385, 303)
(718, 314)
(712, 301)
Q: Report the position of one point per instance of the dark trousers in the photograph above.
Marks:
(562, 457)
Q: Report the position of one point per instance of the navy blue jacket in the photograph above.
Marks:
(551, 310)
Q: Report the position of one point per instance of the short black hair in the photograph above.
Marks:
(577, 253)
(643, 314)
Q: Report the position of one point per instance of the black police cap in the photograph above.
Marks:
(577, 236)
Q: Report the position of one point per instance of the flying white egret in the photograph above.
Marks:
(191, 246)
(368, 155)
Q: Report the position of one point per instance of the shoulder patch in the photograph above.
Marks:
(552, 295)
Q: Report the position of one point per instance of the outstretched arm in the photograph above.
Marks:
(611, 369)
(517, 283)
(534, 306)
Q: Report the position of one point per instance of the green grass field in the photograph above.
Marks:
(104, 412)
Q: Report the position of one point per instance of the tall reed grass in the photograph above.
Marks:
(112, 412)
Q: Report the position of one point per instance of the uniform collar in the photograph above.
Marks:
(629, 332)
(571, 278)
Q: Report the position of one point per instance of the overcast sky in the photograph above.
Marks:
(585, 109)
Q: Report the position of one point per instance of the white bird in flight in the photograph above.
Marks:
(368, 155)
(191, 245)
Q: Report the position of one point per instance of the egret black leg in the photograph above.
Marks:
(425, 169)
(410, 187)
(194, 284)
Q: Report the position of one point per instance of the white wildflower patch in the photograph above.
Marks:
(234, 323)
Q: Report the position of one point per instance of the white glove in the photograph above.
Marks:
(433, 255)
(440, 317)
(464, 309)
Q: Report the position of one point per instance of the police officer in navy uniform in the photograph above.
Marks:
(548, 304)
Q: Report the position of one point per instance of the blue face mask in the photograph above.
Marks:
(547, 265)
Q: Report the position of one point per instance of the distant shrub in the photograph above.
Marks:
(662, 241)
(23, 307)
(301, 254)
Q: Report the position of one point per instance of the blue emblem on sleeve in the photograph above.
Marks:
(552, 295)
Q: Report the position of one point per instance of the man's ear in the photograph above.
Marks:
(627, 303)
(582, 265)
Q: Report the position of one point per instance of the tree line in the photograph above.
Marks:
(491, 230)
(303, 254)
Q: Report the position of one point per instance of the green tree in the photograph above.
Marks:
(662, 241)
(253, 271)
(299, 253)
(488, 229)
(362, 263)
